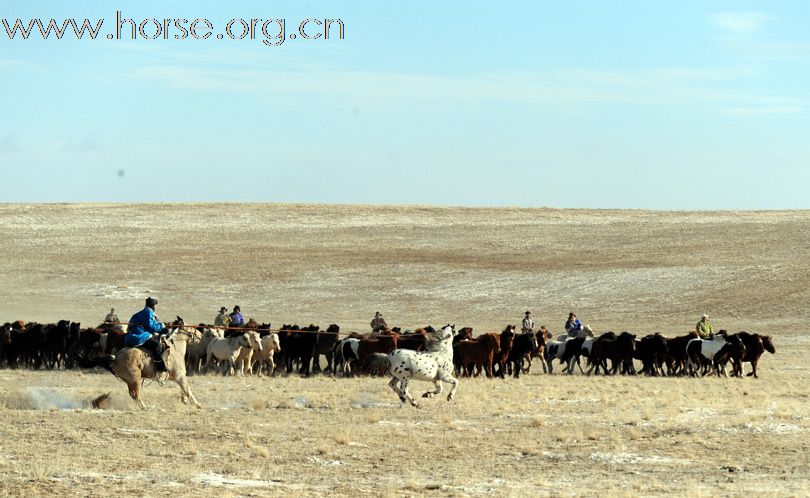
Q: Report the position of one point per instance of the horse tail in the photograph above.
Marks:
(337, 355)
(105, 362)
(376, 364)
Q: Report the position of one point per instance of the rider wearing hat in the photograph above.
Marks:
(573, 325)
(222, 320)
(236, 317)
(111, 320)
(378, 324)
(528, 323)
(139, 332)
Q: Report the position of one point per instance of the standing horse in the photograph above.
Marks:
(133, 365)
(433, 365)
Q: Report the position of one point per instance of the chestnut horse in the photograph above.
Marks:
(477, 354)
(507, 337)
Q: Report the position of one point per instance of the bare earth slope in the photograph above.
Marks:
(620, 270)
(482, 267)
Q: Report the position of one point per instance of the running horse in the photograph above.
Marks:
(435, 364)
(133, 365)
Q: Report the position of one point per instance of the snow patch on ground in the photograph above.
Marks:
(324, 462)
(625, 458)
(219, 480)
(109, 291)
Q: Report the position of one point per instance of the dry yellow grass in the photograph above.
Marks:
(540, 435)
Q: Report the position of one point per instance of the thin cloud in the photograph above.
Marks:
(18, 65)
(760, 110)
(739, 23)
(650, 87)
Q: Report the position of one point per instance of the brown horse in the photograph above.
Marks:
(755, 345)
(507, 337)
(464, 334)
(542, 336)
(477, 354)
(133, 365)
(385, 342)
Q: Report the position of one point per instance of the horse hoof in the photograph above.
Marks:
(427, 395)
(449, 397)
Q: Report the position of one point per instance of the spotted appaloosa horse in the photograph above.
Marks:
(435, 364)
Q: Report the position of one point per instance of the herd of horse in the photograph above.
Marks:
(435, 355)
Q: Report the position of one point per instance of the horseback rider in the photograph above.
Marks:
(111, 320)
(378, 324)
(237, 320)
(573, 325)
(222, 320)
(528, 323)
(111, 317)
(704, 327)
(139, 333)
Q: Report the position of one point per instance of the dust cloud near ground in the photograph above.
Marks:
(619, 270)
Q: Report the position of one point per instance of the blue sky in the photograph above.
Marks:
(637, 104)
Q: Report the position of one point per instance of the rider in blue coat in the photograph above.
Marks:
(141, 327)
(573, 325)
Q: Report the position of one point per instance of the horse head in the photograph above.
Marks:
(586, 331)
(767, 343)
(5, 334)
(254, 340)
(465, 334)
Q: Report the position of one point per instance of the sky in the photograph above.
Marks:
(578, 104)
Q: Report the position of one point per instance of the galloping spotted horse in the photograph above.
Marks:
(435, 364)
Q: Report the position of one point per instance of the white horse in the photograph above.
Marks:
(226, 350)
(270, 346)
(433, 365)
(245, 358)
(198, 348)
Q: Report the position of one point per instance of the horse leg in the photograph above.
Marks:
(134, 386)
(435, 392)
(393, 385)
(249, 364)
(404, 387)
(185, 392)
(450, 380)
(571, 364)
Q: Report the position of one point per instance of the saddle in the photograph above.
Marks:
(155, 356)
